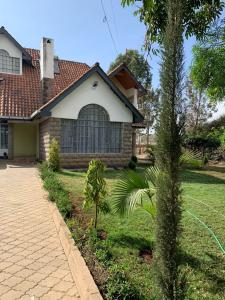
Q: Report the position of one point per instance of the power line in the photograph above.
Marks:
(105, 19)
(114, 19)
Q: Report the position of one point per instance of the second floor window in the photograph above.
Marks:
(9, 64)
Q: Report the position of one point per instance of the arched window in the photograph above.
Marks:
(9, 64)
(92, 132)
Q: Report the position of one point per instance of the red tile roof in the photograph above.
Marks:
(20, 95)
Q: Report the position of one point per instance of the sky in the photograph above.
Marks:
(80, 30)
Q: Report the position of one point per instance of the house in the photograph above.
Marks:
(91, 113)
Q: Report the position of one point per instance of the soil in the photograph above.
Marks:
(102, 235)
(146, 255)
(99, 273)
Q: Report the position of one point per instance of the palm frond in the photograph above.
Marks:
(151, 174)
(128, 191)
(149, 208)
(190, 155)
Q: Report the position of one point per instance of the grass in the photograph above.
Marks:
(202, 258)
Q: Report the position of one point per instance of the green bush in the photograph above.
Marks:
(53, 161)
(64, 205)
(132, 165)
(119, 287)
(151, 154)
(57, 192)
(134, 158)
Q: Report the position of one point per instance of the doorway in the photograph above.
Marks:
(4, 140)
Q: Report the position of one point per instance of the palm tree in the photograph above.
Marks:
(134, 191)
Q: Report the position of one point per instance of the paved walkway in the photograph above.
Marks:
(33, 264)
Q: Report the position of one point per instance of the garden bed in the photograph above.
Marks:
(120, 256)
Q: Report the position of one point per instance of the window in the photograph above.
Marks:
(9, 64)
(92, 132)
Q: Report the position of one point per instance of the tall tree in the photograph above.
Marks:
(167, 21)
(168, 154)
(198, 108)
(148, 104)
(208, 65)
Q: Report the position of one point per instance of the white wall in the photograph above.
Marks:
(13, 51)
(69, 107)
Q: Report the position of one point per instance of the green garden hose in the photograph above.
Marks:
(209, 229)
(211, 208)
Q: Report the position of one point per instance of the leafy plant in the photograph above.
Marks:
(54, 161)
(135, 191)
(151, 154)
(56, 189)
(119, 287)
(95, 189)
(132, 165)
(134, 158)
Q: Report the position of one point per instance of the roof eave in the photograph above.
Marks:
(26, 55)
(123, 66)
(137, 117)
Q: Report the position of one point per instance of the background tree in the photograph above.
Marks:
(208, 65)
(138, 65)
(166, 23)
(149, 103)
(198, 108)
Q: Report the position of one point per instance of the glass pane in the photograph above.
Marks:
(9, 64)
(92, 132)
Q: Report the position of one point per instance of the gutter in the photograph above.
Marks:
(6, 118)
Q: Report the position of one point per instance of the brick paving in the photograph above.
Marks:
(33, 264)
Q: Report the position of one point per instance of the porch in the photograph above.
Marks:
(19, 141)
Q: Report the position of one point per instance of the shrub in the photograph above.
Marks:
(64, 205)
(119, 287)
(53, 161)
(57, 192)
(132, 165)
(95, 188)
(151, 154)
(134, 158)
(205, 159)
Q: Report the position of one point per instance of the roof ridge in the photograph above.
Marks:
(73, 82)
(67, 60)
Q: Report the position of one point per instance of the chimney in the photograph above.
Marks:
(47, 68)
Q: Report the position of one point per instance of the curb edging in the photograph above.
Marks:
(84, 281)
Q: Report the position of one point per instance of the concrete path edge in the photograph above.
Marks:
(84, 281)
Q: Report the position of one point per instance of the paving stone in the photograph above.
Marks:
(52, 295)
(49, 281)
(33, 264)
(11, 295)
(24, 286)
(4, 289)
(12, 281)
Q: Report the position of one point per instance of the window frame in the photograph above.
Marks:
(9, 65)
(82, 128)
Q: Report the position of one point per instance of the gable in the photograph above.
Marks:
(7, 45)
(85, 94)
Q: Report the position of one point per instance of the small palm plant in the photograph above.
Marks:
(136, 190)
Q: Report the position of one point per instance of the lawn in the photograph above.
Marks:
(203, 196)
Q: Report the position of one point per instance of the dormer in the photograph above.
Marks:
(12, 54)
(126, 82)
